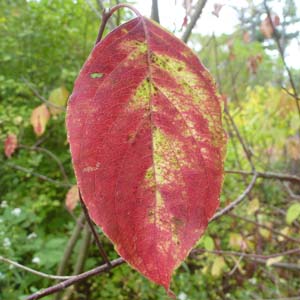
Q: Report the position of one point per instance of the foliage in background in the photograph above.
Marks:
(43, 45)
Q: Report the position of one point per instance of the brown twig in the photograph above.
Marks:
(30, 270)
(52, 155)
(101, 6)
(154, 11)
(82, 255)
(263, 259)
(62, 285)
(240, 138)
(38, 95)
(194, 18)
(266, 227)
(108, 13)
(268, 175)
(93, 231)
(250, 255)
(71, 244)
(280, 49)
(233, 204)
(41, 176)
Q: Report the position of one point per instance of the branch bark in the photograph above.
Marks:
(281, 52)
(94, 233)
(194, 18)
(233, 204)
(62, 285)
(33, 271)
(154, 11)
(41, 176)
(268, 175)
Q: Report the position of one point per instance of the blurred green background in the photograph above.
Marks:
(43, 45)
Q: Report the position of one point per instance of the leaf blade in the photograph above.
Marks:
(159, 145)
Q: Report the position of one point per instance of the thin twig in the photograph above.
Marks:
(266, 227)
(259, 257)
(108, 13)
(119, 261)
(240, 138)
(62, 285)
(280, 49)
(102, 8)
(52, 155)
(95, 235)
(268, 175)
(154, 11)
(41, 176)
(81, 258)
(290, 192)
(71, 244)
(16, 264)
(233, 204)
(38, 95)
(194, 18)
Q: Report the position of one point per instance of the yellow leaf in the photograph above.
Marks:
(273, 260)
(204, 270)
(236, 241)
(39, 119)
(292, 213)
(59, 98)
(265, 233)
(285, 231)
(218, 266)
(253, 206)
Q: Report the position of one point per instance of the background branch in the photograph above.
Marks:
(154, 11)
(194, 18)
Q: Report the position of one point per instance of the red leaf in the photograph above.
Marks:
(147, 145)
(266, 26)
(10, 145)
(39, 119)
(253, 62)
(72, 198)
(185, 22)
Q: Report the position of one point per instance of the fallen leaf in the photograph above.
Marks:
(39, 119)
(10, 145)
(147, 145)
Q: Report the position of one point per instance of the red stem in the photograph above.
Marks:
(108, 13)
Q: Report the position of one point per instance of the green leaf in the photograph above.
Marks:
(218, 266)
(293, 213)
(208, 243)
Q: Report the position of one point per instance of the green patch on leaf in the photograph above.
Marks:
(96, 75)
